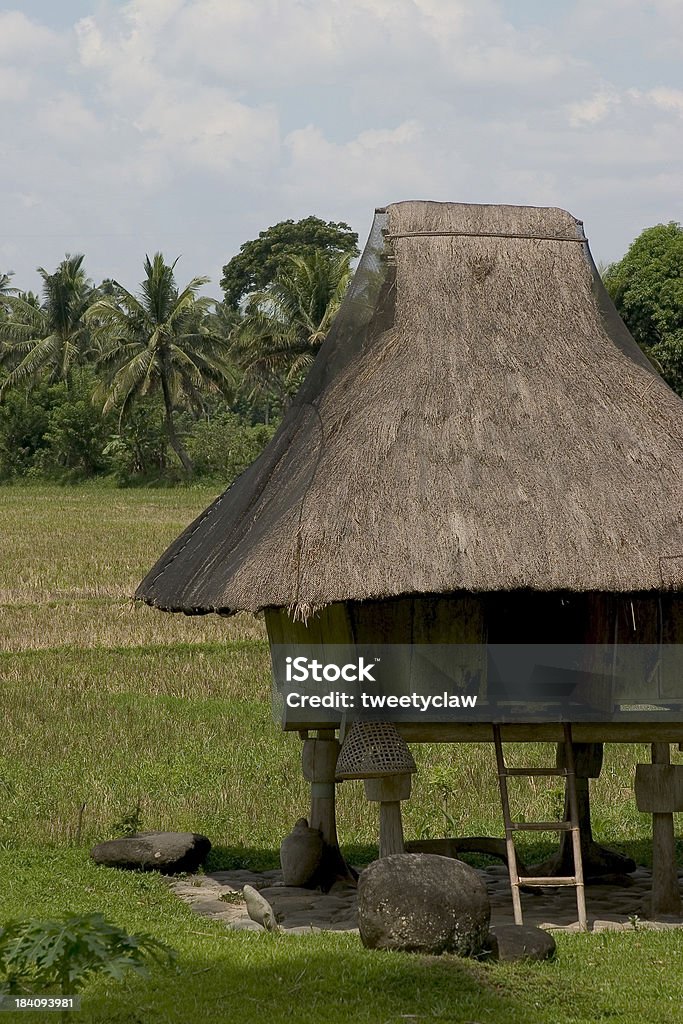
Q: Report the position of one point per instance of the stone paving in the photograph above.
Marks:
(624, 904)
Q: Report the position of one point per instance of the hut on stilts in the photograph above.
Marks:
(480, 455)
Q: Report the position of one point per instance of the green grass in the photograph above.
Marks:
(631, 978)
(106, 706)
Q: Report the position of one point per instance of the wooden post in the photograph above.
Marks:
(319, 760)
(389, 792)
(666, 897)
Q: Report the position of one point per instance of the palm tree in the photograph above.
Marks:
(5, 286)
(158, 341)
(286, 324)
(49, 338)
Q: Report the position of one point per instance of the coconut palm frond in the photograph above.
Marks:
(158, 338)
(286, 324)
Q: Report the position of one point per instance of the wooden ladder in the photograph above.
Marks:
(568, 825)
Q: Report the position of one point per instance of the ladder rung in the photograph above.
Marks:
(535, 771)
(541, 826)
(560, 880)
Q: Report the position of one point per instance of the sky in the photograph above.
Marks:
(188, 126)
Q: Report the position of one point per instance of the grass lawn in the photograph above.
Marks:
(110, 709)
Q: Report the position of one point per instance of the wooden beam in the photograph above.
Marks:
(533, 732)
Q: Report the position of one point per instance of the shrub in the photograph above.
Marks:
(44, 956)
(24, 419)
(139, 450)
(225, 445)
(76, 432)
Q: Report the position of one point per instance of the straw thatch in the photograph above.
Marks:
(478, 419)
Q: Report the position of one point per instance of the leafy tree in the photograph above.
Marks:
(139, 449)
(259, 261)
(646, 286)
(52, 429)
(24, 419)
(76, 431)
(286, 324)
(158, 341)
(47, 339)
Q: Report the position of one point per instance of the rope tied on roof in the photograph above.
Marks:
(485, 234)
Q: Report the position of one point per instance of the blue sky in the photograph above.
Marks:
(188, 126)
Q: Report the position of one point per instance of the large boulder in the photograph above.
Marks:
(520, 942)
(167, 852)
(424, 903)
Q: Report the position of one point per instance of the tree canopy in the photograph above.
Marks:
(646, 286)
(260, 260)
(48, 339)
(287, 323)
(157, 342)
(162, 383)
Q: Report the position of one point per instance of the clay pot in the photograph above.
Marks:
(300, 854)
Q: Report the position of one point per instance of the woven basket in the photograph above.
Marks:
(372, 750)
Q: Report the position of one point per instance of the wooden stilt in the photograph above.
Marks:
(389, 792)
(319, 760)
(666, 897)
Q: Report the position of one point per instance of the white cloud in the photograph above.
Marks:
(667, 99)
(594, 109)
(15, 85)
(65, 119)
(461, 160)
(192, 124)
(177, 116)
(90, 43)
(23, 41)
(377, 166)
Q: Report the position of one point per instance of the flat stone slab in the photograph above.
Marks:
(298, 911)
(168, 852)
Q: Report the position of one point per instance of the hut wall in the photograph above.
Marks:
(427, 621)
(623, 635)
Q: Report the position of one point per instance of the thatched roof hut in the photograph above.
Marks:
(480, 454)
(478, 419)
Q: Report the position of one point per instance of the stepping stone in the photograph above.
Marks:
(520, 942)
(245, 924)
(167, 852)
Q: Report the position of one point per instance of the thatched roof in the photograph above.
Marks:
(478, 419)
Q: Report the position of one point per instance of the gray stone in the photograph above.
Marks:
(259, 909)
(301, 929)
(209, 908)
(424, 903)
(301, 854)
(245, 924)
(520, 942)
(167, 852)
